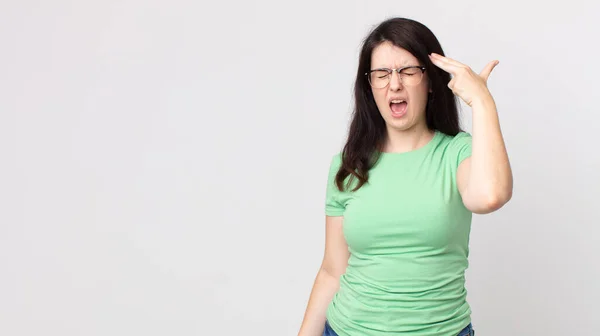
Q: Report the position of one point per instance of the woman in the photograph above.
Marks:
(401, 194)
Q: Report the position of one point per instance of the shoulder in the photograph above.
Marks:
(334, 198)
(336, 158)
(335, 161)
(457, 147)
(460, 139)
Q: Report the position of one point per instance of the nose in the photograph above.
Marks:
(395, 81)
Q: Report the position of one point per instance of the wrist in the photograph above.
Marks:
(483, 101)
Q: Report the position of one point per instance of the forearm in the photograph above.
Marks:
(490, 175)
(324, 288)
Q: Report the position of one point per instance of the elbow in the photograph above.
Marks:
(498, 200)
(492, 201)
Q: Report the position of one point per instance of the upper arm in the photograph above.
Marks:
(462, 180)
(335, 258)
(461, 149)
(476, 203)
(462, 175)
(336, 254)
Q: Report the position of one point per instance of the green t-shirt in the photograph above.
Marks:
(407, 232)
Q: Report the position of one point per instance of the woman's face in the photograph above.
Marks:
(403, 99)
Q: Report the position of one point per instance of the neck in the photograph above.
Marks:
(407, 140)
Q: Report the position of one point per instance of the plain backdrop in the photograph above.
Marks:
(163, 164)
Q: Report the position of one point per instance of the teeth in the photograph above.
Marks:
(397, 101)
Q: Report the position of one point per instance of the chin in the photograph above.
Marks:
(403, 123)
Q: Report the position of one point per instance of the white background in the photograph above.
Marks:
(163, 164)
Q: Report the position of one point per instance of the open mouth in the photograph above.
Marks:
(398, 107)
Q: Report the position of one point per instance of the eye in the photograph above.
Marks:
(381, 74)
(410, 71)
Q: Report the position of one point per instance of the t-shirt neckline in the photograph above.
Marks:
(423, 148)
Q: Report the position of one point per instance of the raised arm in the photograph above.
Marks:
(485, 179)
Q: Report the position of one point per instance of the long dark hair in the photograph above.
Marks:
(367, 130)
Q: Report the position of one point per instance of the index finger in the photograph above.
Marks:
(448, 59)
(445, 64)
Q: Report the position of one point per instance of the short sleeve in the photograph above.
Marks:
(460, 147)
(334, 205)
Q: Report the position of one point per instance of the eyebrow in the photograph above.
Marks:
(402, 66)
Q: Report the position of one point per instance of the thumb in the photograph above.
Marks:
(485, 73)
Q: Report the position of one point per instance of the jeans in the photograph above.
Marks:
(467, 331)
